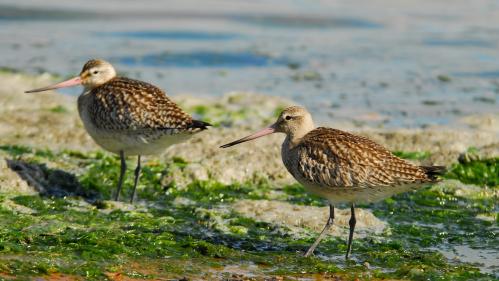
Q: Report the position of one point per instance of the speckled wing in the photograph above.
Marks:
(333, 158)
(132, 105)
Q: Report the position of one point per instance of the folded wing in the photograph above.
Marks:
(334, 158)
(139, 106)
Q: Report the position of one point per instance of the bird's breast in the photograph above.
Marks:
(290, 157)
(117, 133)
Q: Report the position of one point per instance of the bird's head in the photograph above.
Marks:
(294, 121)
(95, 72)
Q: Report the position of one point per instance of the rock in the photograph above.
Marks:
(49, 227)
(445, 145)
(109, 206)
(16, 208)
(467, 190)
(260, 158)
(27, 119)
(298, 217)
(10, 182)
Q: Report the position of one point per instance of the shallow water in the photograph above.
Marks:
(388, 64)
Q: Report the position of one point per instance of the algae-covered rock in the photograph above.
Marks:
(469, 191)
(444, 145)
(16, 208)
(49, 227)
(261, 158)
(299, 218)
(10, 182)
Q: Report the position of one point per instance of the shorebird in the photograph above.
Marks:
(127, 116)
(341, 167)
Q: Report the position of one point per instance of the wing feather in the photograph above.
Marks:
(124, 103)
(334, 158)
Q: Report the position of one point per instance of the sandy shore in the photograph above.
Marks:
(50, 120)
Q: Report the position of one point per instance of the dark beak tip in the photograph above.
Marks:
(32, 91)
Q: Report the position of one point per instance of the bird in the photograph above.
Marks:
(127, 117)
(341, 167)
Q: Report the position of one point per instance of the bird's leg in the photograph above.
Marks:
(352, 228)
(122, 175)
(137, 176)
(328, 225)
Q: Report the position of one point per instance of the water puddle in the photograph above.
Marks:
(305, 21)
(494, 74)
(441, 42)
(203, 59)
(485, 259)
(33, 14)
(172, 35)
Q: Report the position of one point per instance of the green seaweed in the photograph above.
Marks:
(483, 172)
(8, 70)
(187, 231)
(298, 195)
(58, 109)
(19, 150)
(412, 155)
(444, 78)
(16, 150)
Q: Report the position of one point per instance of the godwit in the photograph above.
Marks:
(341, 167)
(126, 116)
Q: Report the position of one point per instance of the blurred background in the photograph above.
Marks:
(419, 77)
(381, 63)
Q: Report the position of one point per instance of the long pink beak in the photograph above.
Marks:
(68, 83)
(264, 132)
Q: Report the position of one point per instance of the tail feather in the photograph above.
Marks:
(434, 171)
(198, 124)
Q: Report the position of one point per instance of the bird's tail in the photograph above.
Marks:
(199, 125)
(434, 171)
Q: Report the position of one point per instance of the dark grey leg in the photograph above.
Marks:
(352, 228)
(328, 225)
(122, 176)
(137, 176)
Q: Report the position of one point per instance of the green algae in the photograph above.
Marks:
(96, 242)
(58, 109)
(444, 78)
(483, 172)
(16, 150)
(92, 239)
(8, 70)
(218, 115)
(297, 195)
(412, 155)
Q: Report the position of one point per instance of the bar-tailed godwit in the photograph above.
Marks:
(341, 167)
(126, 116)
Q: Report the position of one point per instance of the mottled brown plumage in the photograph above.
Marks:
(140, 113)
(124, 103)
(342, 167)
(346, 168)
(127, 116)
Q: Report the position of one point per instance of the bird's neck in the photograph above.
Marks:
(293, 138)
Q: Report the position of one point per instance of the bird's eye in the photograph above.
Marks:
(95, 72)
(287, 117)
